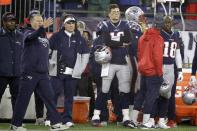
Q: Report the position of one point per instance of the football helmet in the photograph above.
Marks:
(133, 13)
(103, 55)
(189, 95)
(165, 87)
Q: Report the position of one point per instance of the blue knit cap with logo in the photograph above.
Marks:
(158, 21)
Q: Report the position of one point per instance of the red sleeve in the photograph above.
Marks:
(158, 55)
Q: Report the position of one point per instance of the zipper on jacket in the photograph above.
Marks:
(69, 42)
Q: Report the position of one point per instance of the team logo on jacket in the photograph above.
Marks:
(29, 77)
(18, 43)
(44, 41)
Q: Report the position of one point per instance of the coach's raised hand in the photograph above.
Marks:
(48, 22)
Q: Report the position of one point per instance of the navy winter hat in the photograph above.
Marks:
(8, 16)
(158, 20)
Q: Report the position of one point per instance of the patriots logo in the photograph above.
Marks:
(134, 26)
(45, 45)
(100, 25)
(44, 41)
(135, 11)
(29, 77)
(18, 43)
(116, 30)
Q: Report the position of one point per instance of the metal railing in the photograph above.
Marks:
(21, 8)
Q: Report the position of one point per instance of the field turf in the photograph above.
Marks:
(88, 127)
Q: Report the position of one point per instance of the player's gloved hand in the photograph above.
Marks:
(180, 76)
(192, 80)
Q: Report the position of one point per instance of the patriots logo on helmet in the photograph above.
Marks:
(133, 13)
(165, 87)
(103, 55)
(189, 95)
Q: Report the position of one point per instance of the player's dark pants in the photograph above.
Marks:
(149, 92)
(115, 98)
(171, 105)
(58, 87)
(114, 93)
(13, 85)
(104, 112)
(101, 101)
(160, 108)
(69, 84)
(41, 84)
(39, 106)
(163, 106)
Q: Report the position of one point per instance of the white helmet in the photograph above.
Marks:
(189, 95)
(103, 55)
(133, 13)
(165, 87)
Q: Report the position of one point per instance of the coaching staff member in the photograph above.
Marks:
(35, 74)
(10, 53)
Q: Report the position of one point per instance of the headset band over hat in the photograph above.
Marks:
(69, 19)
